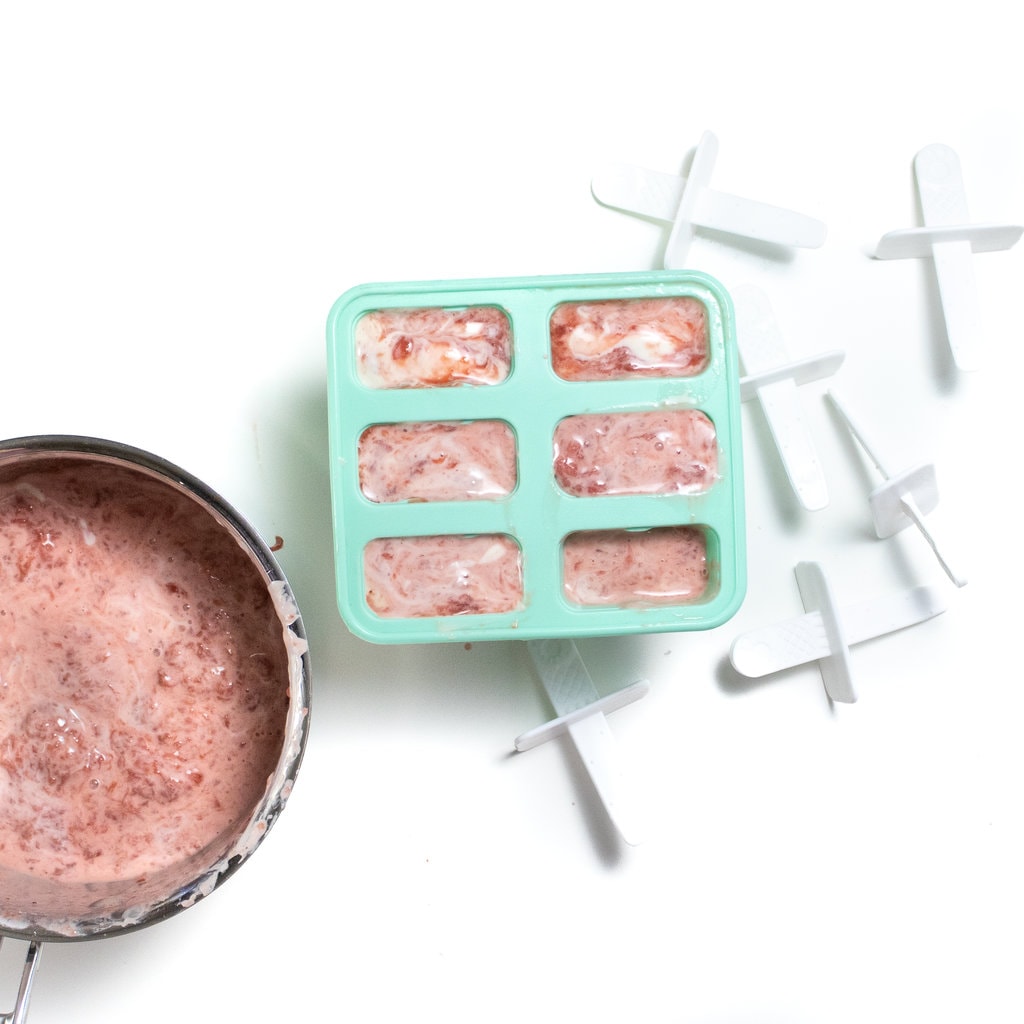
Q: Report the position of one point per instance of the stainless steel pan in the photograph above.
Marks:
(39, 910)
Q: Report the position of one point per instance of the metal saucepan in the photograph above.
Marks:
(54, 905)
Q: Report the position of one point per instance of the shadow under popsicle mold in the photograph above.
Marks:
(616, 661)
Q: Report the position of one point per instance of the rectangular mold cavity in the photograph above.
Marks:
(473, 460)
(629, 568)
(433, 346)
(419, 577)
(657, 451)
(629, 337)
(453, 407)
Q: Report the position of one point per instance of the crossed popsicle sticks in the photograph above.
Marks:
(827, 630)
(690, 205)
(582, 715)
(948, 237)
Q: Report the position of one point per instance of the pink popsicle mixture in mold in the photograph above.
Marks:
(443, 461)
(613, 339)
(416, 577)
(662, 452)
(143, 676)
(433, 347)
(665, 565)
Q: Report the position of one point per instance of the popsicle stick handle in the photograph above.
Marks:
(859, 433)
(603, 706)
(916, 516)
(816, 595)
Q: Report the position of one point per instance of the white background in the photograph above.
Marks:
(184, 191)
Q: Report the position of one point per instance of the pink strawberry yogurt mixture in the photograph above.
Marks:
(458, 461)
(433, 347)
(416, 577)
(663, 452)
(143, 675)
(618, 338)
(665, 565)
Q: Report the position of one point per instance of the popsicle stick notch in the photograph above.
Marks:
(771, 378)
(690, 205)
(581, 715)
(826, 632)
(904, 498)
(949, 239)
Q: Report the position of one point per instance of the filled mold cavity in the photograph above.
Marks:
(443, 575)
(663, 451)
(433, 347)
(615, 339)
(623, 568)
(470, 460)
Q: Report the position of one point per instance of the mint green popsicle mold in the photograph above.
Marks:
(538, 515)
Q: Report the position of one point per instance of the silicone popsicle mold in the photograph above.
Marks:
(537, 515)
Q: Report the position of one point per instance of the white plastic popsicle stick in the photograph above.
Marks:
(772, 378)
(581, 715)
(826, 632)
(604, 705)
(904, 499)
(689, 204)
(950, 240)
(816, 595)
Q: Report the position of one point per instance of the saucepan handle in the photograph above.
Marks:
(20, 1011)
